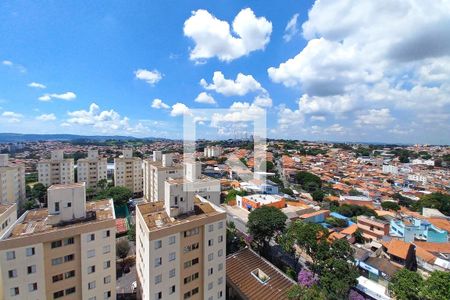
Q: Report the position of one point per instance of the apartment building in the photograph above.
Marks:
(212, 151)
(156, 171)
(8, 215)
(56, 170)
(91, 169)
(181, 255)
(12, 181)
(372, 229)
(193, 182)
(128, 171)
(64, 252)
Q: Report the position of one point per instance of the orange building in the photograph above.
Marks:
(258, 200)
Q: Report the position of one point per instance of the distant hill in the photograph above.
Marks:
(18, 137)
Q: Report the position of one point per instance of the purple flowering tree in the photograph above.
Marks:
(306, 278)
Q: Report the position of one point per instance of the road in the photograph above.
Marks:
(123, 284)
(280, 171)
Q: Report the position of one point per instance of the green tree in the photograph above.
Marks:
(359, 238)
(119, 194)
(132, 233)
(122, 248)
(298, 292)
(287, 191)
(318, 195)
(336, 222)
(406, 285)
(303, 178)
(30, 205)
(437, 286)
(102, 184)
(231, 195)
(264, 223)
(354, 192)
(39, 191)
(337, 277)
(389, 205)
(438, 201)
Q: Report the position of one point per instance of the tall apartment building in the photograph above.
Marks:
(128, 171)
(91, 169)
(66, 251)
(212, 151)
(12, 181)
(56, 170)
(193, 182)
(181, 255)
(156, 171)
(8, 215)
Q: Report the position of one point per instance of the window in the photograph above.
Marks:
(69, 241)
(58, 294)
(57, 207)
(210, 257)
(106, 233)
(220, 225)
(195, 261)
(158, 261)
(220, 252)
(70, 290)
(91, 253)
(220, 281)
(14, 291)
(12, 273)
(69, 204)
(210, 242)
(107, 294)
(172, 273)
(172, 289)
(10, 255)
(187, 295)
(210, 271)
(57, 261)
(107, 279)
(158, 279)
(91, 285)
(195, 291)
(172, 240)
(32, 287)
(158, 295)
(194, 276)
(69, 257)
(57, 278)
(219, 294)
(30, 251)
(69, 274)
(220, 266)
(93, 298)
(158, 244)
(56, 244)
(91, 237)
(107, 264)
(220, 238)
(187, 279)
(210, 286)
(31, 269)
(172, 256)
(91, 269)
(210, 227)
(106, 249)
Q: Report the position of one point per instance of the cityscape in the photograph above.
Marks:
(222, 150)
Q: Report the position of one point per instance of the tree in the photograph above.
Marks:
(354, 192)
(337, 278)
(437, 286)
(389, 205)
(122, 248)
(350, 210)
(39, 191)
(231, 195)
(406, 285)
(119, 194)
(318, 195)
(359, 238)
(438, 201)
(264, 223)
(303, 178)
(102, 184)
(287, 191)
(132, 233)
(30, 205)
(336, 222)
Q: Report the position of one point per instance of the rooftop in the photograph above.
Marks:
(66, 186)
(36, 220)
(398, 248)
(240, 266)
(5, 207)
(263, 199)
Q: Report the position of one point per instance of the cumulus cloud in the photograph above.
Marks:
(158, 104)
(291, 29)
(67, 96)
(46, 117)
(151, 77)
(12, 117)
(242, 85)
(379, 118)
(179, 109)
(214, 38)
(36, 85)
(206, 98)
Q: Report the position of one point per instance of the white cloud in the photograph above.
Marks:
(263, 100)
(213, 37)
(151, 77)
(12, 117)
(15, 66)
(242, 85)
(36, 85)
(379, 118)
(179, 109)
(46, 117)
(67, 96)
(158, 104)
(291, 28)
(204, 97)
(7, 63)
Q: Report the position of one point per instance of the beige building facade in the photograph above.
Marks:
(128, 172)
(64, 252)
(56, 170)
(12, 181)
(92, 169)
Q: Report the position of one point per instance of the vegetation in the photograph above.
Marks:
(267, 165)
(122, 248)
(435, 200)
(318, 195)
(234, 241)
(265, 223)
(232, 195)
(132, 233)
(39, 192)
(31, 177)
(350, 210)
(119, 194)
(437, 286)
(287, 191)
(354, 192)
(308, 181)
(402, 201)
(405, 285)
(389, 205)
(336, 222)
(30, 204)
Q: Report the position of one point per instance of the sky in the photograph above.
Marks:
(350, 70)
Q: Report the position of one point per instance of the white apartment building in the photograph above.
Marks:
(8, 215)
(212, 151)
(12, 181)
(427, 162)
(92, 169)
(390, 169)
(156, 171)
(181, 255)
(178, 190)
(64, 252)
(418, 178)
(56, 170)
(128, 171)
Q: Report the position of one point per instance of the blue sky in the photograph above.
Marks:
(332, 71)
